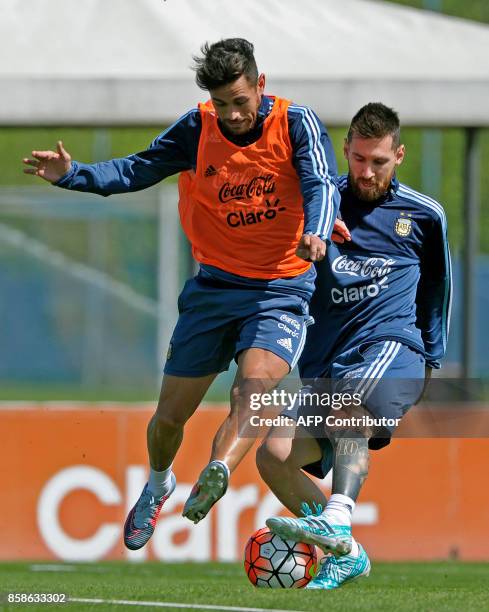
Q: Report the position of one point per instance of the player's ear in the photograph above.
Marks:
(401, 151)
(346, 148)
(261, 83)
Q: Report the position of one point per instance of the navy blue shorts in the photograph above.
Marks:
(219, 318)
(387, 375)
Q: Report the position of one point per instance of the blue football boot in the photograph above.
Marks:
(313, 529)
(336, 571)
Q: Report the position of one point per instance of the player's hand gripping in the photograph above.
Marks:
(311, 248)
(49, 165)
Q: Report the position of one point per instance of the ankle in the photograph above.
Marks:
(159, 482)
(339, 509)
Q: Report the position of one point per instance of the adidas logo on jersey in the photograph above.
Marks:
(286, 343)
(210, 171)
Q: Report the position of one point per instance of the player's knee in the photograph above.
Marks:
(271, 456)
(261, 461)
(169, 418)
(248, 392)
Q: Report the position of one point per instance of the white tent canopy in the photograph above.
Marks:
(109, 62)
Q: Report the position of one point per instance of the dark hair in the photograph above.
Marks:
(223, 62)
(375, 120)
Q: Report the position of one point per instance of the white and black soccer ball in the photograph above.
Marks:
(278, 564)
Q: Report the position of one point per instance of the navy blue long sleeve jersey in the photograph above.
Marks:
(392, 281)
(175, 150)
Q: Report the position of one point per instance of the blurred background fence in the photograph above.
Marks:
(89, 284)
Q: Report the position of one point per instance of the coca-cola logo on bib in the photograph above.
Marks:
(257, 186)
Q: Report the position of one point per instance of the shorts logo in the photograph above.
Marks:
(403, 226)
(290, 321)
(288, 330)
(286, 343)
(169, 352)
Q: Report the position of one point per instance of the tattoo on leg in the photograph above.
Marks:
(350, 467)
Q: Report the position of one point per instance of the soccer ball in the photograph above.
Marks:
(278, 564)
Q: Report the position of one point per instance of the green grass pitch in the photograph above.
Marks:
(398, 587)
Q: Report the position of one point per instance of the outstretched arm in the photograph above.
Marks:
(172, 151)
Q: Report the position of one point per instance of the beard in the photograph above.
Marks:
(372, 191)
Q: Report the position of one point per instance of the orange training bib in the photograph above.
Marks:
(242, 207)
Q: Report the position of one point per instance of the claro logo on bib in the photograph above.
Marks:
(375, 269)
(240, 213)
(240, 217)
